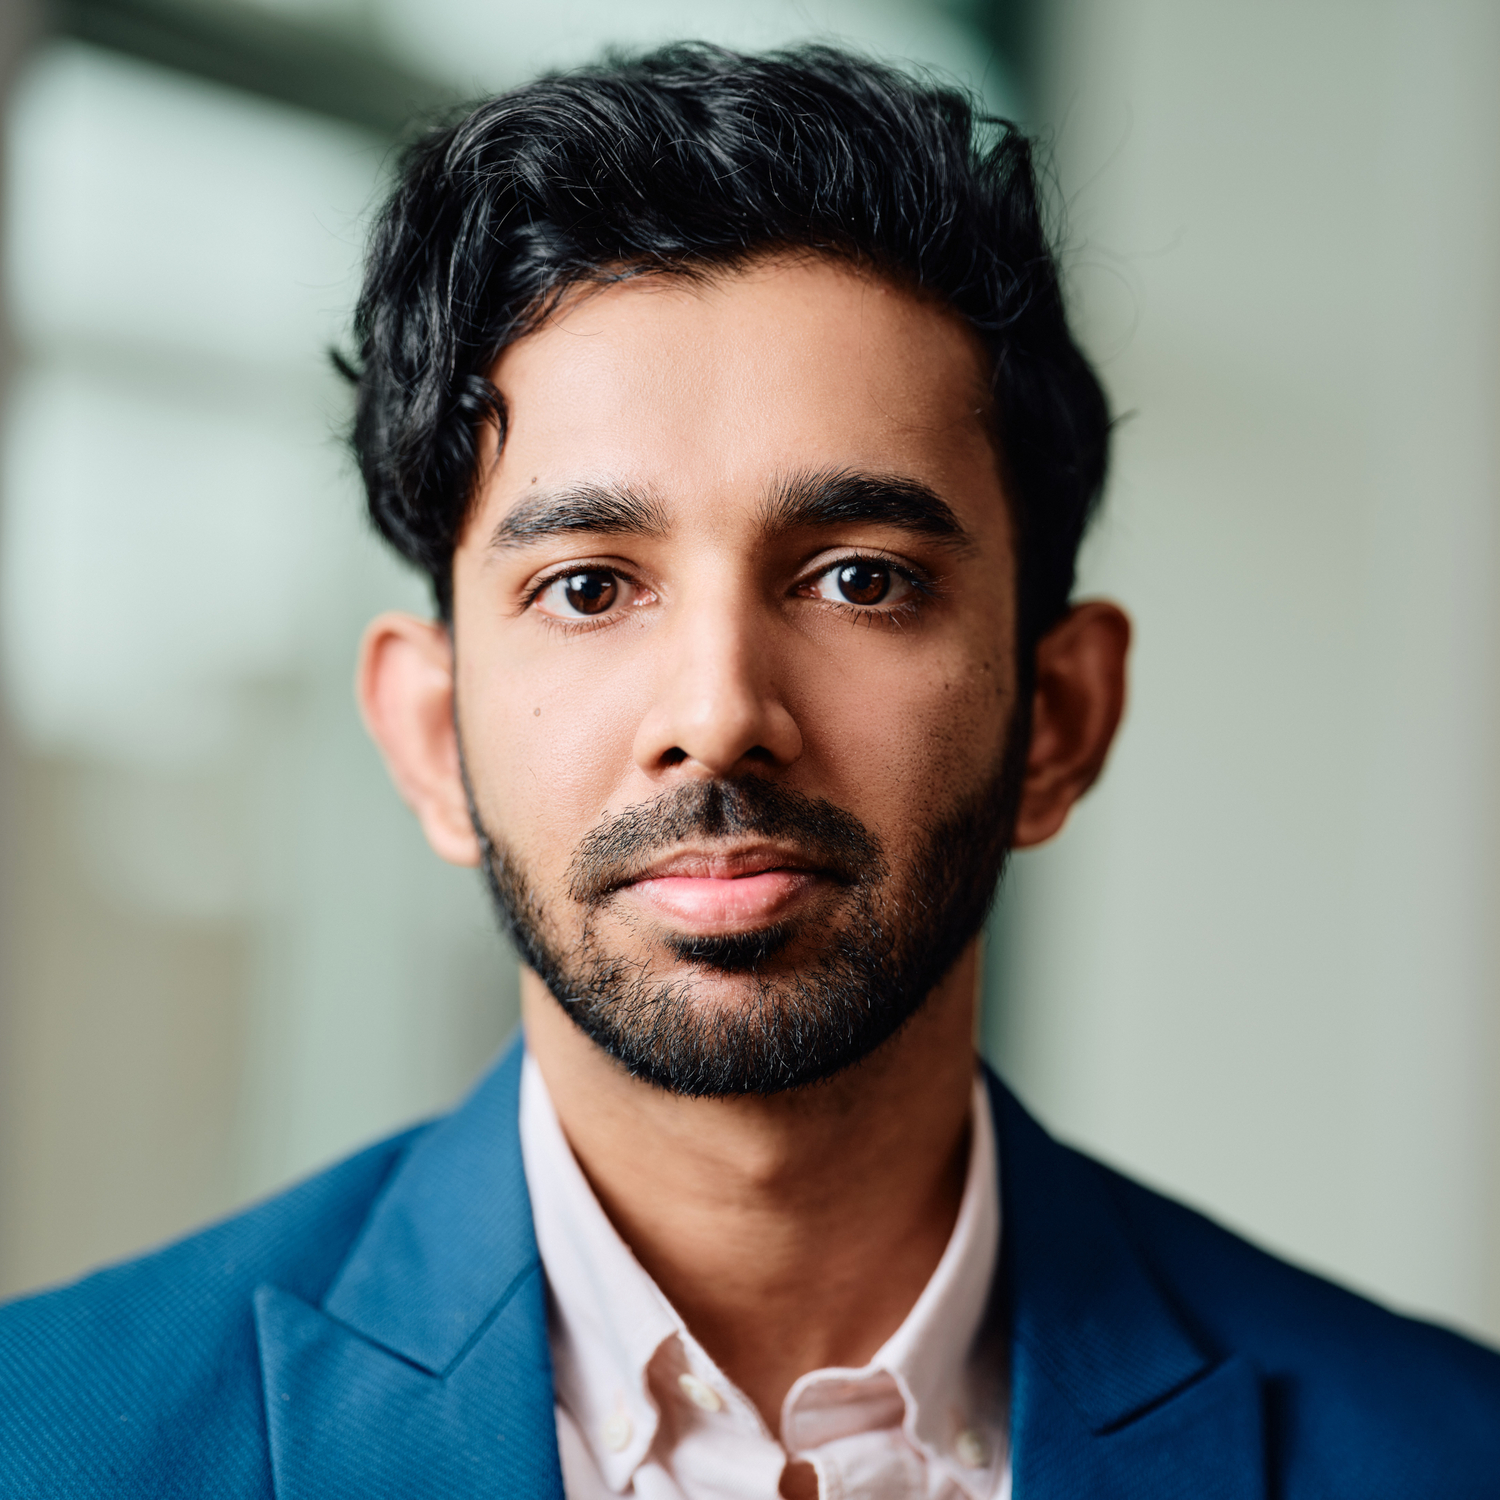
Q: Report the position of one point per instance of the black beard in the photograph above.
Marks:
(899, 934)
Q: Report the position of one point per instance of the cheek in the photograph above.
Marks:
(545, 752)
(899, 738)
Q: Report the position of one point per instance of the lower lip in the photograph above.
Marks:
(746, 901)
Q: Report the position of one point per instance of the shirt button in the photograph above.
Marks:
(969, 1447)
(616, 1432)
(704, 1397)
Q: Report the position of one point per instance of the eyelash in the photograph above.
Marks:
(575, 627)
(922, 590)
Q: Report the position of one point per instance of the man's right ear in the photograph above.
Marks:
(404, 684)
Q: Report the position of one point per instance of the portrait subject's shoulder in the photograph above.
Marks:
(1351, 1387)
(146, 1374)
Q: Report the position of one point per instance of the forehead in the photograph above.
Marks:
(708, 390)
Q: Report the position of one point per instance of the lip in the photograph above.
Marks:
(726, 864)
(714, 891)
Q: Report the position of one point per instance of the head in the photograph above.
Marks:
(730, 406)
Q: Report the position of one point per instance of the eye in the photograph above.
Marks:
(862, 581)
(584, 595)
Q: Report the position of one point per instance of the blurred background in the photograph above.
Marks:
(1261, 969)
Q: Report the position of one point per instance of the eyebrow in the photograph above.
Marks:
(803, 501)
(600, 509)
(838, 497)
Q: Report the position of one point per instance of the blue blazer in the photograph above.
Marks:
(380, 1331)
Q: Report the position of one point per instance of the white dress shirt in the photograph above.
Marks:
(642, 1409)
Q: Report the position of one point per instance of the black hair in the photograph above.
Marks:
(687, 159)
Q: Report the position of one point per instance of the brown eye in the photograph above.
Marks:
(864, 581)
(590, 593)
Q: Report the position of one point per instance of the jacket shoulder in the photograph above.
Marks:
(1359, 1399)
(147, 1372)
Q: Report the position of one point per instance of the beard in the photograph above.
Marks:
(868, 967)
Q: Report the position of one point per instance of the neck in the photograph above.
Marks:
(792, 1232)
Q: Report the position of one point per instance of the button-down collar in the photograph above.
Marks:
(643, 1409)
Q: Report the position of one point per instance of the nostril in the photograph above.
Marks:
(674, 757)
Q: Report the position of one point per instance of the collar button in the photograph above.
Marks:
(617, 1432)
(969, 1447)
(702, 1395)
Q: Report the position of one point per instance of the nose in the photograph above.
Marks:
(717, 708)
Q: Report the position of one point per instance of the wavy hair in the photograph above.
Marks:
(681, 161)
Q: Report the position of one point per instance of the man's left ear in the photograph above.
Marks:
(1076, 708)
(404, 684)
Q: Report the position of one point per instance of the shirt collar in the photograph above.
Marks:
(609, 1319)
(947, 1356)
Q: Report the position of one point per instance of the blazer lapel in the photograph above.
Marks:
(1110, 1394)
(426, 1371)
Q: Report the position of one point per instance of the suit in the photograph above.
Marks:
(380, 1331)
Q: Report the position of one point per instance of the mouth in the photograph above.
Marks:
(721, 891)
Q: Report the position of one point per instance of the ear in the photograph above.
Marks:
(1079, 698)
(404, 684)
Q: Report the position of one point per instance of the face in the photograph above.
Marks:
(734, 668)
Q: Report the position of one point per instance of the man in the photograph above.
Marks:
(730, 406)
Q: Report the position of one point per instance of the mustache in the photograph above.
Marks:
(824, 835)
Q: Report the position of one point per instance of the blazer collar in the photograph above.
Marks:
(425, 1372)
(426, 1368)
(1110, 1393)
(450, 1237)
